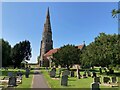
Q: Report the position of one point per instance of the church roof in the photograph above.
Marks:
(52, 51)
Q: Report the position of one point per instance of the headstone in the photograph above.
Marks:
(100, 69)
(27, 72)
(52, 73)
(64, 80)
(106, 79)
(78, 74)
(94, 75)
(12, 81)
(72, 74)
(95, 86)
(10, 74)
(66, 72)
(97, 79)
(114, 80)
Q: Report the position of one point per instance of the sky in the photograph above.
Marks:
(71, 22)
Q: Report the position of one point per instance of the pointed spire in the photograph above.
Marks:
(48, 14)
(47, 25)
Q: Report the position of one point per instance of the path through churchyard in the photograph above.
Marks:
(38, 80)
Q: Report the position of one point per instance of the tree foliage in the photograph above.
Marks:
(104, 51)
(21, 51)
(67, 56)
(6, 53)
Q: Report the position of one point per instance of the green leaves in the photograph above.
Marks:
(21, 51)
(67, 56)
(103, 51)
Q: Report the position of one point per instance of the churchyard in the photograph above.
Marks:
(9, 78)
(73, 81)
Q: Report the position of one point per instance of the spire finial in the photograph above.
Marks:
(48, 12)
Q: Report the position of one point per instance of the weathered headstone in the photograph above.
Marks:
(95, 85)
(12, 81)
(72, 74)
(66, 72)
(100, 69)
(52, 73)
(78, 74)
(114, 80)
(64, 80)
(97, 79)
(106, 79)
(27, 72)
(94, 75)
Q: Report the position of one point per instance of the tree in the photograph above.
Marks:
(21, 51)
(66, 56)
(115, 12)
(104, 51)
(6, 51)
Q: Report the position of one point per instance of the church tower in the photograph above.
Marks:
(46, 42)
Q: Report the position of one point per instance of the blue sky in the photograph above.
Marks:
(71, 23)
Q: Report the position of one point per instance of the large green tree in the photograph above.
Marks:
(21, 51)
(6, 53)
(67, 56)
(104, 51)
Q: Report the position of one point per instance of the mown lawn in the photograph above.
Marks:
(26, 82)
(73, 82)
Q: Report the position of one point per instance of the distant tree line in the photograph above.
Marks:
(13, 56)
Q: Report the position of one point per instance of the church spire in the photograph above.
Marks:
(47, 25)
(48, 14)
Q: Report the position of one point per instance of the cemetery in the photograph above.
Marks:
(69, 79)
(15, 78)
(95, 66)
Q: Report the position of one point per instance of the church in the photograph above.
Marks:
(46, 48)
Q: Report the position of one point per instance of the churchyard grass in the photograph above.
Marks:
(73, 82)
(26, 82)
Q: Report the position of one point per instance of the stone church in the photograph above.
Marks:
(46, 48)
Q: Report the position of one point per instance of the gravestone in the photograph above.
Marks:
(78, 74)
(100, 69)
(66, 72)
(12, 81)
(94, 75)
(52, 73)
(97, 79)
(64, 80)
(106, 79)
(27, 72)
(72, 74)
(114, 80)
(95, 85)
